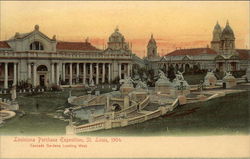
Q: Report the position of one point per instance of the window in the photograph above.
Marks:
(36, 46)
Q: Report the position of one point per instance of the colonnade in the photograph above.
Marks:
(5, 69)
(72, 72)
(93, 72)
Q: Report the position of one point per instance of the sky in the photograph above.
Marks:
(174, 24)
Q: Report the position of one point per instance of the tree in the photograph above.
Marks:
(171, 73)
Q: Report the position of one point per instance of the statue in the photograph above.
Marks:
(91, 84)
(228, 74)
(162, 75)
(127, 80)
(136, 74)
(13, 93)
(141, 84)
(145, 77)
(210, 79)
(179, 81)
(179, 75)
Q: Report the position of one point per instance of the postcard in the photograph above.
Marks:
(124, 79)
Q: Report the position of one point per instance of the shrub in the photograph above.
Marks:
(56, 88)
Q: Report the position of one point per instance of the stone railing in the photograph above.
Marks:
(62, 55)
(128, 110)
(89, 127)
(241, 80)
(97, 99)
(108, 124)
(98, 117)
(174, 104)
(144, 103)
(154, 114)
(135, 120)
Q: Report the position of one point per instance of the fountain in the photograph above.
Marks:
(162, 85)
(229, 80)
(210, 79)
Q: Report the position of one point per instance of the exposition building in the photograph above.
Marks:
(36, 59)
(222, 55)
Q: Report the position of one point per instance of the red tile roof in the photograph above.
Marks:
(75, 46)
(4, 44)
(192, 52)
(243, 54)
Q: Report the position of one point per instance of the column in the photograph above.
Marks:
(84, 73)
(131, 65)
(34, 75)
(57, 74)
(97, 73)
(91, 72)
(29, 71)
(77, 72)
(103, 72)
(120, 70)
(5, 75)
(52, 74)
(238, 66)
(128, 69)
(15, 74)
(63, 71)
(70, 74)
(109, 73)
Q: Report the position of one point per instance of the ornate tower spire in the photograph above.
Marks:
(152, 48)
(117, 29)
(227, 40)
(215, 43)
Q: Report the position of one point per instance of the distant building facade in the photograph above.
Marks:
(42, 61)
(222, 55)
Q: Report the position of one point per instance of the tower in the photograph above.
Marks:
(152, 48)
(227, 40)
(216, 41)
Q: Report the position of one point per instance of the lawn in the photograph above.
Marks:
(194, 79)
(38, 122)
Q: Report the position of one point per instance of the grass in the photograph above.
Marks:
(194, 79)
(38, 122)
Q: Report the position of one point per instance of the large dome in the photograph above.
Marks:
(217, 32)
(227, 33)
(152, 41)
(217, 27)
(116, 36)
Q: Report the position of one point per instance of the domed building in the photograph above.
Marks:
(222, 55)
(34, 58)
(117, 41)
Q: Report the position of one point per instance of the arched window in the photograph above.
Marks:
(36, 46)
(42, 68)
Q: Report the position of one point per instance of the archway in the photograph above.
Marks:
(42, 68)
(116, 107)
(42, 72)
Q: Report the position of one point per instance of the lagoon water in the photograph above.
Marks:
(84, 113)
